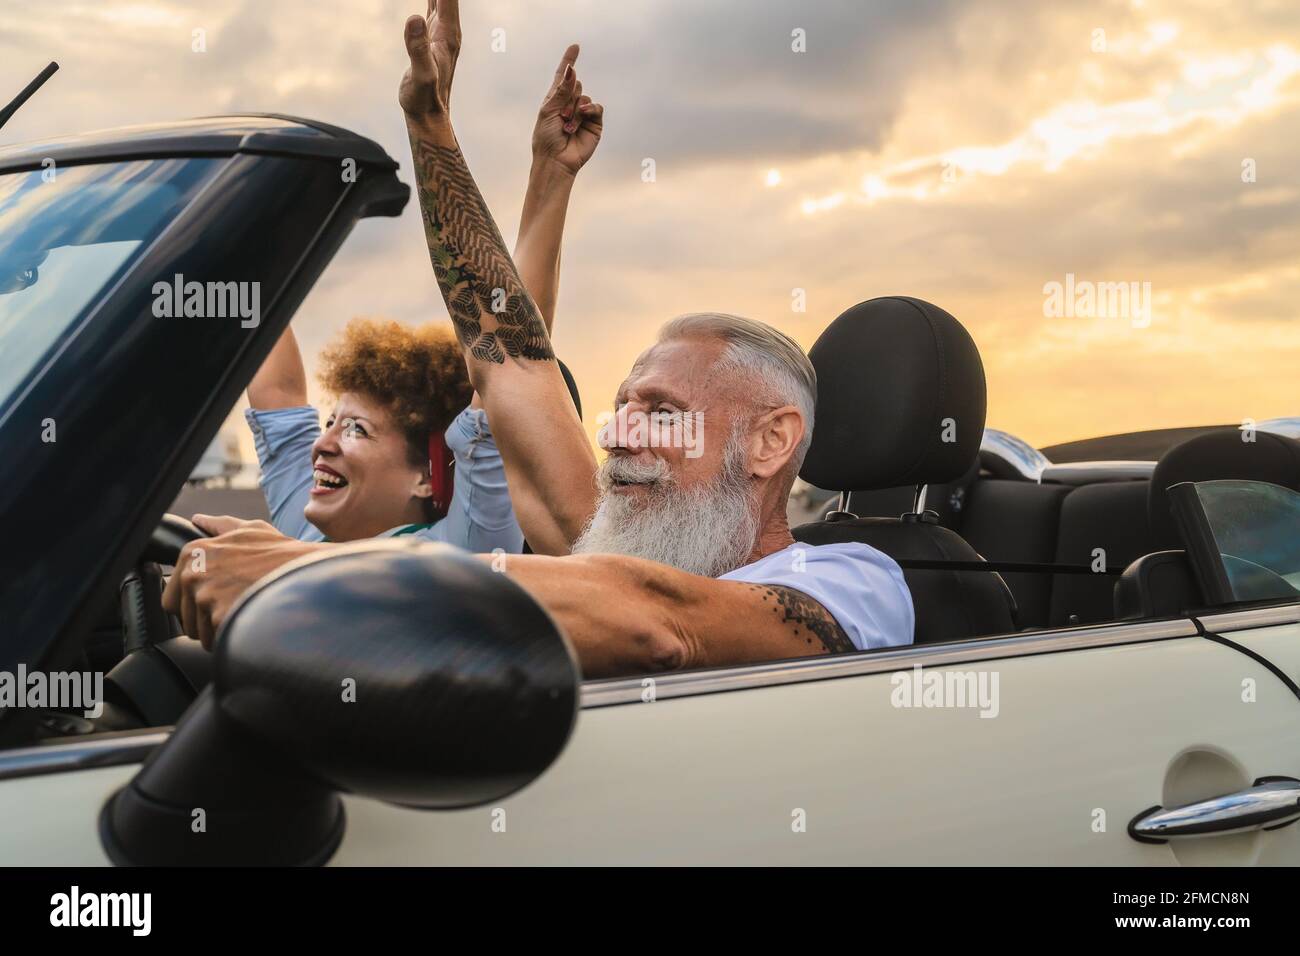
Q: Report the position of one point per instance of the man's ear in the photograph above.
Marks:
(776, 435)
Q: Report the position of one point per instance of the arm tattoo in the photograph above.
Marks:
(493, 314)
(806, 618)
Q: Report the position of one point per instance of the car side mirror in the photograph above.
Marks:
(404, 671)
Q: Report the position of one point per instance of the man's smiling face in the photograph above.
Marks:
(674, 384)
(695, 511)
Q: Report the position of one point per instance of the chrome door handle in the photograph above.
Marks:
(1270, 803)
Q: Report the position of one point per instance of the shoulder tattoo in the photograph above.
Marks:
(806, 619)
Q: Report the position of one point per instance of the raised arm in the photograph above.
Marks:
(281, 382)
(567, 132)
(549, 463)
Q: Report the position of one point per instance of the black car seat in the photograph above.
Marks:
(1161, 583)
(1103, 519)
(901, 401)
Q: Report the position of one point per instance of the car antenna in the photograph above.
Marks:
(16, 103)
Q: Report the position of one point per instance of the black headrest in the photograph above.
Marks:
(1218, 455)
(891, 373)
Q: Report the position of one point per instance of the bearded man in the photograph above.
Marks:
(672, 553)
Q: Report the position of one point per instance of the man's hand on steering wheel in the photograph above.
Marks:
(211, 573)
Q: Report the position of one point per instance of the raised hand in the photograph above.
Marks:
(432, 43)
(569, 124)
(549, 462)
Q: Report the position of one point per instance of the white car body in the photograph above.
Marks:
(813, 763)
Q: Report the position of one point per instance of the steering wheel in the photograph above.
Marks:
(144, 622)
(172, 534)
(161, 670)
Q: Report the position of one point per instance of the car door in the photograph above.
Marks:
(1061, 740)
(826, 762)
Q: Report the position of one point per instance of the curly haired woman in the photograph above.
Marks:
(405, 450)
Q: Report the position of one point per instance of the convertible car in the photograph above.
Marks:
(1107, 641)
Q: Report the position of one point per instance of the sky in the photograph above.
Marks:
(807, 156)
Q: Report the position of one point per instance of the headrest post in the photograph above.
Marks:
(918, 500)
(842, 512)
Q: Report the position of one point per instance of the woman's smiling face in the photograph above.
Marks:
(364, 480)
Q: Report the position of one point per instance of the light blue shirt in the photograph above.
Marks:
(480, 518)
(862, 588)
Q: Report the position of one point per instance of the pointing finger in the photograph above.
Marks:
(560, 96)
(568, 59)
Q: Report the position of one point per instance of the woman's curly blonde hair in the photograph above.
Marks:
(416, 373)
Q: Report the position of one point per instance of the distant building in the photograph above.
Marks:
(221, 463)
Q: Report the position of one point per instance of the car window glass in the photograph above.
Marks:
(65, 234)
(1256, 530)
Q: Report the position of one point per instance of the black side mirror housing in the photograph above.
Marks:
(404, 671)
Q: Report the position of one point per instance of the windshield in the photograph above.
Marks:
(65, 235)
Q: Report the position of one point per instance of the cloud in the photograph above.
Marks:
(1118, 163)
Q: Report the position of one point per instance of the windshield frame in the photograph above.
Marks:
(143, 395)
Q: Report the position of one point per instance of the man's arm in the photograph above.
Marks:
(624, 615)
(630, 616)
(281, 381)
(549, 463)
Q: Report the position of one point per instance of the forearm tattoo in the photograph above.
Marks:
(806, 619)
(492, 313)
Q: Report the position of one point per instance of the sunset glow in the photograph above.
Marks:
(965, 154)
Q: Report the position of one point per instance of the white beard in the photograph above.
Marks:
(708, 531)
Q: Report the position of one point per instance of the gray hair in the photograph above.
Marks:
(778, 367)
